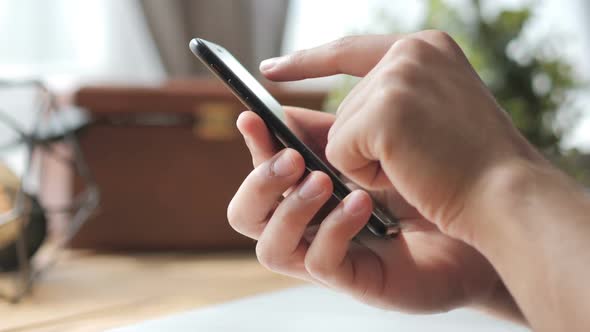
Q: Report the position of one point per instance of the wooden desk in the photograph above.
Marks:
(91, 292)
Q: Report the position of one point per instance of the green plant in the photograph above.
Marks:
(532, 84)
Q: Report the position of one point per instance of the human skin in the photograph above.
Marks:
(485, 216)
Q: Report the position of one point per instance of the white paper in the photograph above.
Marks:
(312, 309)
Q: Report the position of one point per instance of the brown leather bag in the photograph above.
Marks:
(167, 161)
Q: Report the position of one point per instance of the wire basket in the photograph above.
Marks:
(29, 134)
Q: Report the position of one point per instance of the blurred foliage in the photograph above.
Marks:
(531, 83)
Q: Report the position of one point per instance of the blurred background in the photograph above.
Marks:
(69, 44)
(115, 140)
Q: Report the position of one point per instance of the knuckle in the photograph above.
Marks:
(342, 43)
(339, 47)
(297, 60)
(241, 222)
(262, 176)
(443, 41)
(439, 36)
(403, 45)
(316, 267)
(412, 48)
(265, 256)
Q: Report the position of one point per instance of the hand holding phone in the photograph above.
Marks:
(420, 149)
(259, 100)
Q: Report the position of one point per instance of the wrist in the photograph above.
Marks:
(532, 225)
(511, 199)
(527, 204)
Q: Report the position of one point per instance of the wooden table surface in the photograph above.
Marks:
(89, 291)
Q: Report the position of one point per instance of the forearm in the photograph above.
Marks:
(536, 233)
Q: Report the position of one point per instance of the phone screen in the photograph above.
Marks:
(259, 100)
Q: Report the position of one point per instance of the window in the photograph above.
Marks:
(63, 41)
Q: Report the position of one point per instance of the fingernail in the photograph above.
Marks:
(268, 64)
(284, 165)
(355, 204)
(311, 187)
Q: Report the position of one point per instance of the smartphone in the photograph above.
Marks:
(256, 98)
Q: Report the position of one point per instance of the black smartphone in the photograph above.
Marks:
(258, 99)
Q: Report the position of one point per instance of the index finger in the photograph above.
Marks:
(352, 55)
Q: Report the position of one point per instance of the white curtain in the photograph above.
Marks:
(71, 41)
(251, 29)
